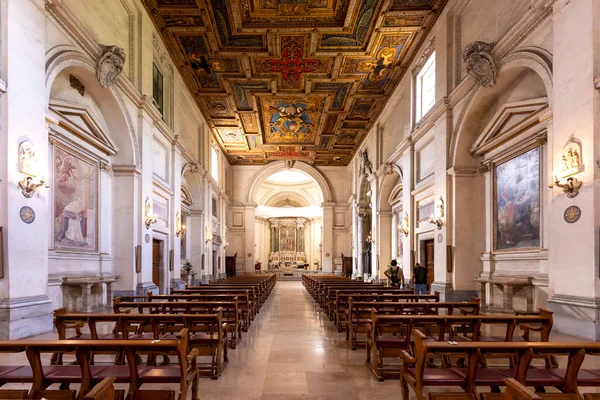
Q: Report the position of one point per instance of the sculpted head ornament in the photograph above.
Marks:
(480, 63)
(110, 65)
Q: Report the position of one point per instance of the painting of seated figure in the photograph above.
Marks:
(75, 201)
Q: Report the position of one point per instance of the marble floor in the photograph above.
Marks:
(292, 351)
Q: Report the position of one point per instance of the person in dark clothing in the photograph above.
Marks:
(395, 275)
(420, 279)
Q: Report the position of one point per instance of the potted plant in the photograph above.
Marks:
(186, 272)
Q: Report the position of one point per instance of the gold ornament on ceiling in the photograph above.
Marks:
(312, 75)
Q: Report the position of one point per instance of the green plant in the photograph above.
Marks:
(187, 267)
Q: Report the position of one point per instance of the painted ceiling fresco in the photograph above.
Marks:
(292, 79)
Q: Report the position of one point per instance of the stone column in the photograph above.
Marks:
(359, 244)
(25, 308)
(249, 257)
(196, 231)
(573, 251)
(327, 240)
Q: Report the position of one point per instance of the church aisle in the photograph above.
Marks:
(291, 352)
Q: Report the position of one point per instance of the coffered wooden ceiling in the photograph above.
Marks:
(292, 79)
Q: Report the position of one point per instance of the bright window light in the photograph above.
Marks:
(425, 88)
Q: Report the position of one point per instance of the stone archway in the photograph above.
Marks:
(325, 201)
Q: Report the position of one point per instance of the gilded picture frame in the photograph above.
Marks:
(75, 200)
(516, 198)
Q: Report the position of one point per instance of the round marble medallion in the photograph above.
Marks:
(147, 238)
(27, 214)
(572, 214)
(327, 254)
(440, 237)
(249, 254)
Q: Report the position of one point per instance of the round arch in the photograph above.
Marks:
(109, 100)
(388, 184)
(534, 59)
(277, 166)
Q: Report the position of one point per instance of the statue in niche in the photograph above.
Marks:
(480, 63)
(110, 65)
(365, 165)
(27, 158)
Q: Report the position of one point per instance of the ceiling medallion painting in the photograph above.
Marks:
(292, 79)
(290, 120)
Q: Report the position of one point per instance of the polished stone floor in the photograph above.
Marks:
(292, 352)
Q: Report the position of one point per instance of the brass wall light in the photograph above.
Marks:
(179, 227)
(208, 235)
(370, 238)
(404, 228)
(148, 214)
(438, 220)
(571, 188)
(29, 188)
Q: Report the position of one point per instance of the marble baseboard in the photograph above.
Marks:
(24, 317)
(206, 279)
(447, 292)
(222, 275)
(146, 287)
(577, 316)
(178, 284)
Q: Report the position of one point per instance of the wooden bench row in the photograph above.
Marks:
(417, 375)
(136, 374)
(229, 310)
(359, 314)
(207, 333)
(388, 335)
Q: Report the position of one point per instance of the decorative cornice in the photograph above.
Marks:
(126, 170)
(461, 171)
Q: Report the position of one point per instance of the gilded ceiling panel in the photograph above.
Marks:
(292, 79)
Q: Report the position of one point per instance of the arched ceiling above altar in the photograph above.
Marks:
(289, 193)
(292, 80)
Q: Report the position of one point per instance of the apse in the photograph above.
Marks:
(288, 222)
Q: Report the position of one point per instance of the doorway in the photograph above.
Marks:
(427, 258)
(157, 246)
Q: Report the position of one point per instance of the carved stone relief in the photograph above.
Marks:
(571, 158)
(480, 63)
(110, 65)
(27, 158)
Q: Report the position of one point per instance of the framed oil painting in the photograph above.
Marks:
(287, 238)
(517, 202)
(75, 203)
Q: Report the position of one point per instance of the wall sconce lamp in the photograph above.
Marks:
(28, 187)
(571, 188)
(438, 219)
(209, 236)
(148, 214)
(370, 239)
(404, 228)
(178, 226)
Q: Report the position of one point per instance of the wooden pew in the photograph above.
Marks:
(387, 334)
(343, 296)
(360, 313)
(249, 296)
(417, 375)
(231, 314)
(242, 299)
(41, 376)
(207, 333)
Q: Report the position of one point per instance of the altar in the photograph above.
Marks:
(287, 243)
